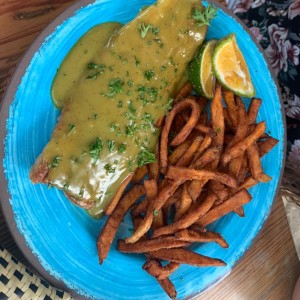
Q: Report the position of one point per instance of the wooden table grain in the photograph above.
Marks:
(268, 270)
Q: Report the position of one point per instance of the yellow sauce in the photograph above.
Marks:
(107, 122)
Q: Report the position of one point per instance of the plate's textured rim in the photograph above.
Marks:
(4, 112)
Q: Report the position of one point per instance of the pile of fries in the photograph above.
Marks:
(203, 171)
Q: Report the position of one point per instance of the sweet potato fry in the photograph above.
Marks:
(195, 188)
(254, 162)
(217, 118)
(184, 203)
(190, 152)
(189, 174)
(193, 236)
(151, 245)
(166, 283)
(139, 174)
(188, 257)
(159, 271)
(184, 92)
(111, 226)
(231, 106)
(208, 156)
(242, 127)
(151, 189)
(204, 145)
(188, 219)
(248, 183)
(173, 198)
(151, 192)
(266, 145)
(239, 211)
(253, 110)
(265, 178)
(114, 202)
(240, 198)
(227, 120)
(185, 131)
(201, 128)
(154, 171)
(203, 118)
(178, 152)
(140, 208)
(241, 146)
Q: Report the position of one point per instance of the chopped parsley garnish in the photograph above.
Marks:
(130, 129)
(169, 104)
(147, 94)
(122, 148)
(96, 148)
(147, 121)
(155, 213)
(97, 70)
(50, 185)
(55, 162)
(71, 128)
(130, 165)
(115, 86)
(130, 83)
(144, 29)
(110, 145)
(95, 116)
(113, 126)
(148, 74)
(109, 168)
(65, 186)
(219, 130)
(120, 104)
(137, 61)
(163, 68)
(131, 107)
(204, 17)
(155, 30)
(145, 157)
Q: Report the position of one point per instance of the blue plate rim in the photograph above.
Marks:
(4, 113)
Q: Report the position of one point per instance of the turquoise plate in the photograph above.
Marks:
(61, 236)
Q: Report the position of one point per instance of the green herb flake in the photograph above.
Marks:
(120, 104)
(131, 107)
(96, 149)
(71, 128)
(143, 29)
(130, 83)
(115, 86)
(148, 74)
(155, 213)
(122, 148)
(110, 145)
(169, 104)
(113, 126)
(137, 61)
(65, 186)
(109, 169)
(94, 116)
(155, 30)
(145, 157)
(219, 130)
(55, 162)
(204, 17)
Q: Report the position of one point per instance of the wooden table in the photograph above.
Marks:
(268, 270)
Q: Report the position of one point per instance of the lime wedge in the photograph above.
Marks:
(200, 71)
(230, 68)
